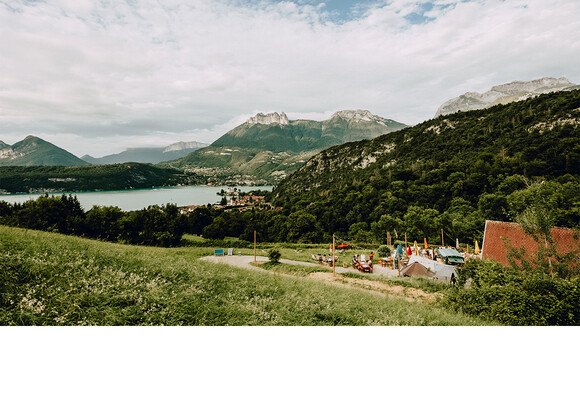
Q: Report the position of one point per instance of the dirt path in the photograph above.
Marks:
(410, 294)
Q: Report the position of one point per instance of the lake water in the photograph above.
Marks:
(134, 199)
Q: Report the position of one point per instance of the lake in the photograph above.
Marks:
(134, 199)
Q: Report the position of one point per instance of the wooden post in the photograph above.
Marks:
(254, 246)
(442, 241)
(333, 254)
(389, 239)
(399, 262)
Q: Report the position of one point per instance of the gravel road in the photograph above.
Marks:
(244, 261)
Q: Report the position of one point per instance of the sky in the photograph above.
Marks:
(99, 76)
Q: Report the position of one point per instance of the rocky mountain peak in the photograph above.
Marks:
(355, 115)
(529, 86)
(271, 118)
(504, 94)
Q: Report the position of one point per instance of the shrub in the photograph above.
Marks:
(515, 298)
(274, 255)
(384, 251)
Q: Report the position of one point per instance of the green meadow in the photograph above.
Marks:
(51, 279)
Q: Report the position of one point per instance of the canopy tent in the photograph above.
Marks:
(417, 270)
(344, 245)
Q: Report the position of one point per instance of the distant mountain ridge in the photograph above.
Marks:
(270, 146)
(33, 151)
(148, 155)
(504, 94)
(275, 132)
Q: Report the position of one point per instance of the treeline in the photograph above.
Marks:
(131, 175)
(155, 226)
(315, 222)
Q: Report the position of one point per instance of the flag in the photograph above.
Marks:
(416, 249)
(456, 243)
(476, 248)
(425, 239)
(396, 236)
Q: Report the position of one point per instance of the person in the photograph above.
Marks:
(371, 256)
(363, 258)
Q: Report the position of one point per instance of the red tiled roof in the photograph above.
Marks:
(494, 248)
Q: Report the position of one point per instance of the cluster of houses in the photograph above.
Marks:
(246, 200)
(241, 203)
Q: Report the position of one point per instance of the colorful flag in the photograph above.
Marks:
(425, 240)
(396, 236)
(476, 248)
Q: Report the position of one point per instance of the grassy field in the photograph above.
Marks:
(52, 279)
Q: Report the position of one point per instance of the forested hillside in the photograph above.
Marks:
(89, 178)
(453, 172)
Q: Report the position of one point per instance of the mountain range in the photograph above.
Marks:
(148, 155)
(268, 147)
(504, 94)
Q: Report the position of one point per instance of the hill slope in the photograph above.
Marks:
(452, 172)
(51, 279)
(35, 151)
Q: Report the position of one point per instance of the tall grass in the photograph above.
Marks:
(51, 279)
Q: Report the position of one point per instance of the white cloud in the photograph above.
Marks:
(117, 74)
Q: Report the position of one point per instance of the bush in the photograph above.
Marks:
(384, 251)
(516, 299)
(274, 255)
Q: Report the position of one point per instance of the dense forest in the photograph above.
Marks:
(450, 173)
(16, 179)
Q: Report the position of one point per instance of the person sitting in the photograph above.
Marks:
(362, 258)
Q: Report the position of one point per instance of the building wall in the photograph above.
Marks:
(493, 242)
